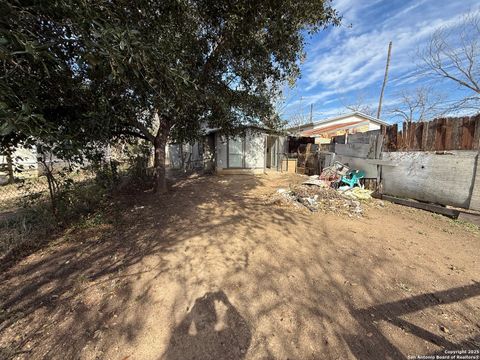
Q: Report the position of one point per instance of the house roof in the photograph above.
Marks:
(332, 128)
(208, 131)
(340, 117)
(355, 113)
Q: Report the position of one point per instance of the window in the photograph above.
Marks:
(236, 153)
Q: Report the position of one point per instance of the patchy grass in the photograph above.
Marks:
(92, 220)
(466, 225)
(458, 223)
(30, 228)
(24, 229)
(14, 195)
(404, 286)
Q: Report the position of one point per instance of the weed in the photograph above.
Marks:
(92, 220)
(30, 228)
(404, 286)
(466, 225)
(25, 228)
(437, 216)
(75, 198)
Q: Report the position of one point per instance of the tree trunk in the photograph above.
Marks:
(11, 176)
(160, 181)
(52, 186)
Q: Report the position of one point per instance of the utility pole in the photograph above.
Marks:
(311, 113)
(384, 80)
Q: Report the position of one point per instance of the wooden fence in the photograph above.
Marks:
(437, 135)
(434, 162)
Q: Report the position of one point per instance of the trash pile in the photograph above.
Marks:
(357, 193)
(336, 190)
(340, 176)
(321, 197)
(317, 198)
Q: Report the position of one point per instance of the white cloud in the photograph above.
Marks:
(349, 60)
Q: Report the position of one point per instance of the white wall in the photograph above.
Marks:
(174, 155)
(26, 157)
(173, 158)
(220, 151)
(444, 179)
(254, 150)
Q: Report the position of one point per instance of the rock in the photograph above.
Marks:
(444, 329)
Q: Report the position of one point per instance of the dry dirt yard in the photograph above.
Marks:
(211, 271)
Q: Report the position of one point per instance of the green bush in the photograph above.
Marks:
(78, 198)
(26, 229)
(31, 226)
(137, 171)
(106, 174)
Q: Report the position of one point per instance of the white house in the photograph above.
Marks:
(252, 152)
(351, 123)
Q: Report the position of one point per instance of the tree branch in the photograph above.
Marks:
(445, 58)
(144, 130)
(131, 133)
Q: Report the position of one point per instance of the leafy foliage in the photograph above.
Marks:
(79, 73)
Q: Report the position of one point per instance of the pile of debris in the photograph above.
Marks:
(316, 194)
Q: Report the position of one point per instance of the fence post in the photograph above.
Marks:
(378, 155)
(475, 195)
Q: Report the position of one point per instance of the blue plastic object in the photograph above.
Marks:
(353, 177)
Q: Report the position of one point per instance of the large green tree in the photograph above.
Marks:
(163, 69)
(44, 96)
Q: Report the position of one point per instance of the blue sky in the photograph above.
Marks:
(346, 64)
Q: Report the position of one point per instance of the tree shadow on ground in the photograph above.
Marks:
(213, 329)
(293, 287)
(377, 345)
(66, 297)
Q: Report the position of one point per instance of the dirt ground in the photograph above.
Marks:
(210, 271)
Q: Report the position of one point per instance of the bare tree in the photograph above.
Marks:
(298, 116)
(420, 104)
(359, 104)
(281, 99)
(453, 53)
(297, 120)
